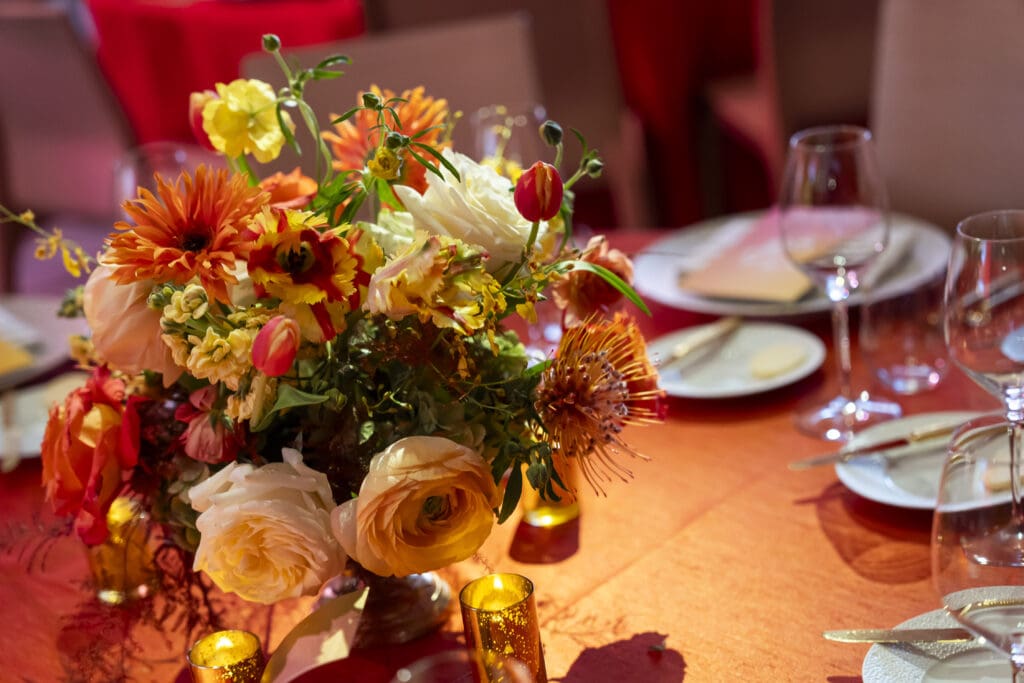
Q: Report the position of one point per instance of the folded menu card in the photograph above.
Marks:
(755, 266)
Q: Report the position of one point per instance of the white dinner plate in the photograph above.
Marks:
(934, 662)
(49, 335)
(658, 267)
(31, 407)
(911, 478)
(724, 370)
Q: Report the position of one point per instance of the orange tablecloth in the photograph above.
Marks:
(156, 52)
(715, 561)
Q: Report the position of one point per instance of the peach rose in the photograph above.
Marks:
(581, 293)
(89, 444)
(125, 330)
(265, 533)
(427, 502)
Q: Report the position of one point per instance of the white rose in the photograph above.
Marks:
(426, 502)
(478, 210)
(125, 330)
(266, 532)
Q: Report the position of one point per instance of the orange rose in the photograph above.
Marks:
(289, 191)
(85, 455)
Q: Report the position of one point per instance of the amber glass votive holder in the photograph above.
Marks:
(122, 566)
(499, 615)
(227, 657)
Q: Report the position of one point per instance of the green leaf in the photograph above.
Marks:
(426, 164)
(346, 116)
(333, 60)
(323, 75)
(538, 368)
(288, 397)
(386, 193)
(440, 157)
(614, 280)
(353, 207)
(289, 137)
(513, 491)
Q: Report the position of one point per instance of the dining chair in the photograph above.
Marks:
(946, 106)
(61, 131)
(813, 67)
(479, 54)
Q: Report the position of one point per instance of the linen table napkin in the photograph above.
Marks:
(755, 267)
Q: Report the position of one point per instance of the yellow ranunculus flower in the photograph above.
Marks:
(242, 120)
(426, 503)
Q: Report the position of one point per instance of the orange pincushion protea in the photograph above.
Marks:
(194, 229)
(355, 140)
(600, 382)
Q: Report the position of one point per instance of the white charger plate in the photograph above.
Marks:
(910, 481)
(934, 662)
(657, 268)
(725, 371)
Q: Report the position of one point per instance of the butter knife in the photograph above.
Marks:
(847, 454)
(701, 339)
(900, 635)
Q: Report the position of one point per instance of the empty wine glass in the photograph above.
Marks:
(976, 542)
(978, 531)
(833, 221)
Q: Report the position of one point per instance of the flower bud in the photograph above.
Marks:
(371, 100)
(538, 194)
(394, 140)
(271, 43)
(551, 132)
(196, 102)
(594, 167)
(275, 346)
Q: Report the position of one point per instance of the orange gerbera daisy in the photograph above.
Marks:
(600, 382)
(195, 229)
(355, 140)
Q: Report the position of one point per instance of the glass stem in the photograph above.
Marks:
(1016, 509)
(841, 343)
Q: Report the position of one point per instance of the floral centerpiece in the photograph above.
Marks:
(291, 372)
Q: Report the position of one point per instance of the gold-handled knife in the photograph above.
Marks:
(847, 454)
(900, 635)
(700, 339)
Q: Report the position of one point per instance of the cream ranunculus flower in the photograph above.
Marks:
(427, 502)
(125, 330)
(478, 210)
(265, 533)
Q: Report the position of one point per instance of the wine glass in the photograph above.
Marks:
(834, 223)
(977, 566)
(978, 530)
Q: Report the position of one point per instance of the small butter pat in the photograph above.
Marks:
(776, 359)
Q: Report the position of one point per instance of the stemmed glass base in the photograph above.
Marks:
(842, 417)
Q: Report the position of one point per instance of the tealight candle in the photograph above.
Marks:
(226, 657)
(499, 614)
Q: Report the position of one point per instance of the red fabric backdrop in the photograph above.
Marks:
(156, 53)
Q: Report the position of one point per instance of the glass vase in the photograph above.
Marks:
(398, 609)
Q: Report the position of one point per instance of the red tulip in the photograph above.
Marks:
(275, 346)
(538, 194)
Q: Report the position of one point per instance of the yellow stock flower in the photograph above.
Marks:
(243, 120)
